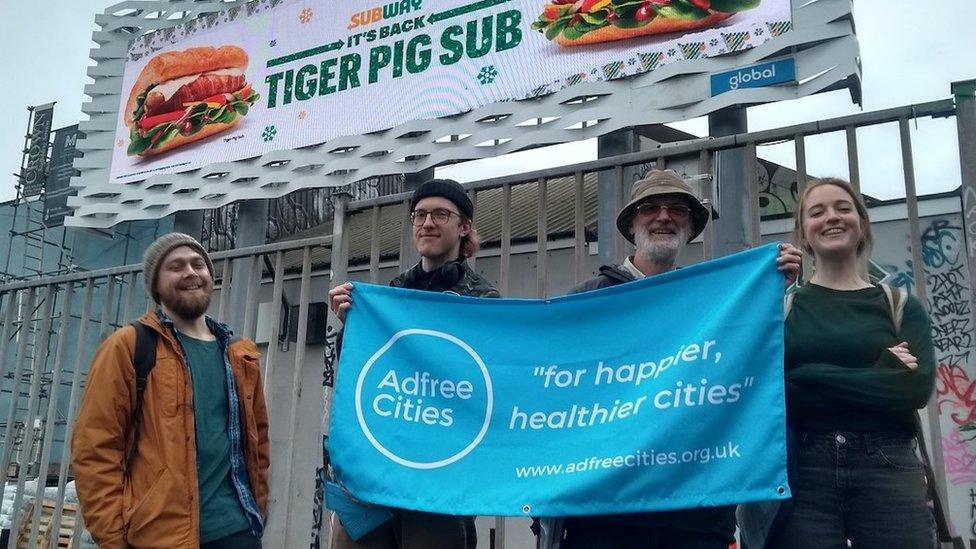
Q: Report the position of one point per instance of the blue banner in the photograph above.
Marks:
(665, 393)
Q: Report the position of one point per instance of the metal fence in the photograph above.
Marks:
(50, 326)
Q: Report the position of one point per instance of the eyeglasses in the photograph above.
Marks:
(675, 211)
(439, 215)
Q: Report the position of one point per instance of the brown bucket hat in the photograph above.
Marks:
(657, 183)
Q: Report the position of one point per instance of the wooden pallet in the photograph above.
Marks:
(46, 539)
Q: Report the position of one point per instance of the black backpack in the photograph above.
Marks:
(143, 360)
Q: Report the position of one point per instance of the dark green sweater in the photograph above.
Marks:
(840, 374)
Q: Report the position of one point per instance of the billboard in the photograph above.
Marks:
(285, 75)
(32, 176)
(60, 171)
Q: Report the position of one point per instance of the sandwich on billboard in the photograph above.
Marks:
(283, 75)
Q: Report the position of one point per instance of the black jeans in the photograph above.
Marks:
(868, 488)
(241, 540)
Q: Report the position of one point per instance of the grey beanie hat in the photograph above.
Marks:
(159, 249)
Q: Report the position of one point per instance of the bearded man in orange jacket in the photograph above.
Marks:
(186, 467)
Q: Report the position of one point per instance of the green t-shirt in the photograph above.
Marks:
(221, 513)
(839, 372)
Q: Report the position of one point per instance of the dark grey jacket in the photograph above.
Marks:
(455, 277)
(609, 275)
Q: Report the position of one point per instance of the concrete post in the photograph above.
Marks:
(613, 144)
(189, 222)
(733, 227)
(252, 226)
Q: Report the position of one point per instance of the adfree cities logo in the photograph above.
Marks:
(424, 399)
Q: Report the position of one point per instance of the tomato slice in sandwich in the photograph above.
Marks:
(148, 122)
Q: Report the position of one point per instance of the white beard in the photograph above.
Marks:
(658, 250)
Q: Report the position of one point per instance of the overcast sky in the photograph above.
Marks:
(910, 53)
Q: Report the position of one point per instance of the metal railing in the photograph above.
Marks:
(51, 325)
(84, 308)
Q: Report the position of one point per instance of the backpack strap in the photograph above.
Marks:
(897, 297)
(143, 360)
(787, 304)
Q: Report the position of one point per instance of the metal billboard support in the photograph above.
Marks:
(734, 228)
(611, 187)
(965, 95)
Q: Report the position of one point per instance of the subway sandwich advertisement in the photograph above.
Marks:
(282, 74)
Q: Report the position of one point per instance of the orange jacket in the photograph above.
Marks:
(156, 503)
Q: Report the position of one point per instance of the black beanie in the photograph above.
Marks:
(444, 188)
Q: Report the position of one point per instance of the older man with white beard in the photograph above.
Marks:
(662, 216)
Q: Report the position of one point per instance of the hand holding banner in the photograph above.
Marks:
(661, 394)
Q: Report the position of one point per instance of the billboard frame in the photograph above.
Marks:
(822, 42)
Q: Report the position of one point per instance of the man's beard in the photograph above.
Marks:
(186, 306)
(661, 251)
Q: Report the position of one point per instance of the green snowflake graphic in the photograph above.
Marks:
(487, 75)
(269, 133)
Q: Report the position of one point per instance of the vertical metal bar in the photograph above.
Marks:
(296, 383)
(708, 196)
(620, 243)
(921, 292)
(660, 163)
(251, 296)
(105, 327)
(542, 239)
(473, 195)
(505, 260)
(8, 321)
(85, 320)
(340, 248)
(406, 237)
(27, 333)
(272, 356)
(130, 297)
(965, 95)
(9, 314)
(25, 316)
(854, 169)
(579, 231)
(226, 280)
(752, 182)
(374, 244)
(52, 407)
(806, 268)
(499, 533)
(799, 143)
(853, 164)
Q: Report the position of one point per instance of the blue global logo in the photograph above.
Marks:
(755, 76)
(418, 387)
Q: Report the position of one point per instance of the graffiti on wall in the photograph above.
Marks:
(949, 295)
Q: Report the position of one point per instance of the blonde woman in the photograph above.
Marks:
(853, 385)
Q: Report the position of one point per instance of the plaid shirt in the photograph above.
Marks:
(238, 469)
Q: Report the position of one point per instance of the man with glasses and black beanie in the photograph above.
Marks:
(662, 217)
(444, 235)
